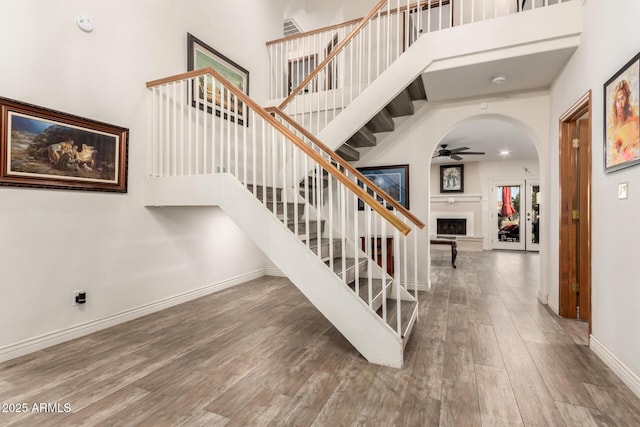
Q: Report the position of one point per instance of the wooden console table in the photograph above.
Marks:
(451, 241)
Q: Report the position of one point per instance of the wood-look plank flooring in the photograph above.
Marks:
(484, 353)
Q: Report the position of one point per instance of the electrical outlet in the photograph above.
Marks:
(79, 297)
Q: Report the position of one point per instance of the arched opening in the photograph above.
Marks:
(485, 191)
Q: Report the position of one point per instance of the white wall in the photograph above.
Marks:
(313, 14)
(611, 37)
(478, 177)
(413, 143)
(123, 254)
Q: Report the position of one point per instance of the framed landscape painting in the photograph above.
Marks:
(44, 148)
(621, 102)
(393, 180)
(199, 56)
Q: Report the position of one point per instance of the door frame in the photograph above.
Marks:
(567, 251)
(496, 244)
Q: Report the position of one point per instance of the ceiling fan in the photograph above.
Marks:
(454, 153)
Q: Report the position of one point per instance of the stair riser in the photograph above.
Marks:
(313, 229)
(325, 250)
(260, 192)
(291, 208)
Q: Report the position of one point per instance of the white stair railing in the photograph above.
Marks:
(409, 247)
(315, 75)
(203, 125)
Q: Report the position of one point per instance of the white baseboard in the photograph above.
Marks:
(627, 376)
(273, 272)
(543, 298)
(56, 337)
(553, 305)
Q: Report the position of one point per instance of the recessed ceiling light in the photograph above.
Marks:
(499, 79)
(504, 152)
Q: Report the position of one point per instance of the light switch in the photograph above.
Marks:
(623, 191)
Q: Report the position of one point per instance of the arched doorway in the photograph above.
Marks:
(496, 158)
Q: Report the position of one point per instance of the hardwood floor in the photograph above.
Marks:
(484, 353)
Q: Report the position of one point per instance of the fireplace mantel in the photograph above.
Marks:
(457, 198)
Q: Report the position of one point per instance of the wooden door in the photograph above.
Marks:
(575, 212)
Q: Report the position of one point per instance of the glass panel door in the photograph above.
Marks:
(508, 226)
(533, 216)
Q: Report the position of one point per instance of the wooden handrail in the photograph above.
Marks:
(312, 32)
(390, 200)
(434, 4)
(333, 53)
(359, 192)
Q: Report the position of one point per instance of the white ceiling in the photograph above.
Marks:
(526, 72)
(491, 135)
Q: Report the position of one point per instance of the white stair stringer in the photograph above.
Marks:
(485, 41)
(362, 327)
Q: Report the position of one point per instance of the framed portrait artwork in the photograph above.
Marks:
(394, 180)
(452, 178)
(224, 102)
(45, 148)
(621, 136)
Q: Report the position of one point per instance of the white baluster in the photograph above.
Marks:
(397, 278)
(330, 224)
(343, 231)
(264, 163)
(306, 199)
(356, 252)
(367, 248)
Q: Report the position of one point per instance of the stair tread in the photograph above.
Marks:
(348, 153)
(407, 311)
(363, 288)
(363, 138)
(401, 105)
(349, 264)
(381, 122)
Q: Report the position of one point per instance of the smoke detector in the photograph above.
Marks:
(499, 79)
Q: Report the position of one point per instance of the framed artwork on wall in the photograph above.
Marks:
(621, 136)
(452, 178)
(394, 180)
(200, 55)
(45, 148)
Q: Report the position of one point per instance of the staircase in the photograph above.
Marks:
(350, 270)
(394, 46)
(312, 232)
(401, 105)
(303, 204)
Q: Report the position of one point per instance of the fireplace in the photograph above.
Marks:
(453, 226)
(466, 217)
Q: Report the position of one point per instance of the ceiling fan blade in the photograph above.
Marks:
(471, 152)
(457, 150)
(456, 157)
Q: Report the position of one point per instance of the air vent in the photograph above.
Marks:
(291, 27)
